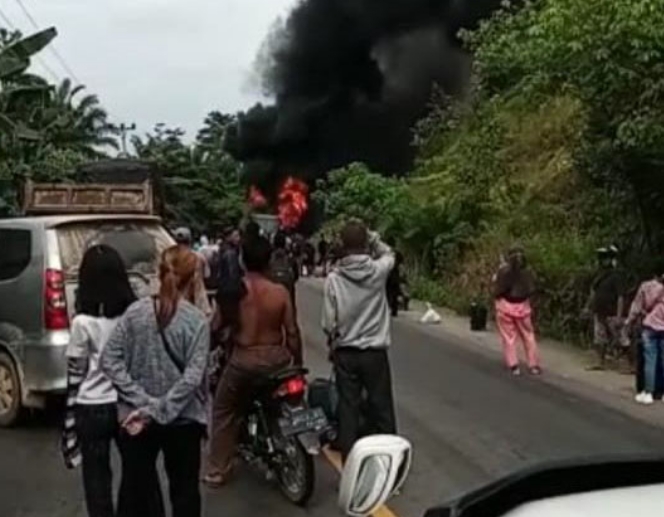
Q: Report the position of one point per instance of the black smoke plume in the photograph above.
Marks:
(350, 78)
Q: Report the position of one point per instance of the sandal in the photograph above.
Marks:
(214, 481)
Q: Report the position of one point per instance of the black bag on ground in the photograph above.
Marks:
(478, 317)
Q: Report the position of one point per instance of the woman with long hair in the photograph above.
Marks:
(514, 288)
(91, 422)
(156, 359)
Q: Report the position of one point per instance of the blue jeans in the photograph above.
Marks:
(653, 351)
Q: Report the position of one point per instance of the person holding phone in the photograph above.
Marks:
(356, 320)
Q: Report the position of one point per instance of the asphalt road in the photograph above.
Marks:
(469, 423)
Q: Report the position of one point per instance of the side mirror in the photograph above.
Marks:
(375, 469)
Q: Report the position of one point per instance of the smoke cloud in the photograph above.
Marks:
(349, 79)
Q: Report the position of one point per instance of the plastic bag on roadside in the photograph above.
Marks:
(430, 317)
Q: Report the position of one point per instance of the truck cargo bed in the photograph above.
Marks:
(88, 198)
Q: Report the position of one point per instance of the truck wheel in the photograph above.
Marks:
(10, 392)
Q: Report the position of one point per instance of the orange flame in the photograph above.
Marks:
(293, 202)
(256, 197)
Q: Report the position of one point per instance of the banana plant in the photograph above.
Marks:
(14, 83)
(15, 57)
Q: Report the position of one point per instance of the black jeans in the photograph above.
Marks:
(181, 446)
(359, 371)
(97, 427)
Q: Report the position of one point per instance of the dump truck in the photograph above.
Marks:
(40, 256)
(102, 187)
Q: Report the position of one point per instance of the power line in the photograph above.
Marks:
(123, 129)
(48, 69)
(51, 47)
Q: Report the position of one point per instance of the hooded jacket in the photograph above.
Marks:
(355, 310)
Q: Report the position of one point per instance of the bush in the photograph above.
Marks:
(558, 147)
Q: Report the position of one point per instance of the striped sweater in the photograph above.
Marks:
(143, 373)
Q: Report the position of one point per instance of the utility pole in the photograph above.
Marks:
(123, 129)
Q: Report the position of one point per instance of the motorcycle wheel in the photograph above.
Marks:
(296, 473)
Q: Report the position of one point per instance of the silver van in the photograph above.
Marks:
(39, 260)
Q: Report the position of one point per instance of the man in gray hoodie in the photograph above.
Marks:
(356, 319)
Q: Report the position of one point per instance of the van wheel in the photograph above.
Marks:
(10, 392)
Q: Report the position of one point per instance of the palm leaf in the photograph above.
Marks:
(12, 65)
(25, 133)
(108, 141)
(87, 103)
(95, 118)
(30, 45)
(32, 80)
(76, 90)
(62, 93)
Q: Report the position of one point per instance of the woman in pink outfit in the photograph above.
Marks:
(514, 287)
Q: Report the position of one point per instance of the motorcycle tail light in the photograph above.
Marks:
(292, 387)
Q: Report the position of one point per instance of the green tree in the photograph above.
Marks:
(80, 124)
(558, 145)
(425, 228)
(610, 56)
(202, 185)
(19, 91)
(45, 132)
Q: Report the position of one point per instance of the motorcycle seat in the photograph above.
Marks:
(287, 373)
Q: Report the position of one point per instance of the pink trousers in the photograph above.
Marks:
(515, 322)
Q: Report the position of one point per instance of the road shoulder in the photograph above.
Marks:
(565, 366)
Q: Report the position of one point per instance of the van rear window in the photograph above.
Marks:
(139, 243)
(16, 249)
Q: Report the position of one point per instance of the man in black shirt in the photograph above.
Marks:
(323, 254)
(231, 287)
(284, 269)
(393, 285)
(606, 302)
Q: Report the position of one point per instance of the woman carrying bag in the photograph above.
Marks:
(156, 358)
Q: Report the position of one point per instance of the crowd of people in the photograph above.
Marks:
(171, 375)
(622, 330)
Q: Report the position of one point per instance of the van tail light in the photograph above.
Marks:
(55, 301)
(293, 387)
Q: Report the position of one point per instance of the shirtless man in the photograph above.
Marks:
(265, 340)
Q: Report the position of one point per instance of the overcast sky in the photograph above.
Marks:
(154, 61)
